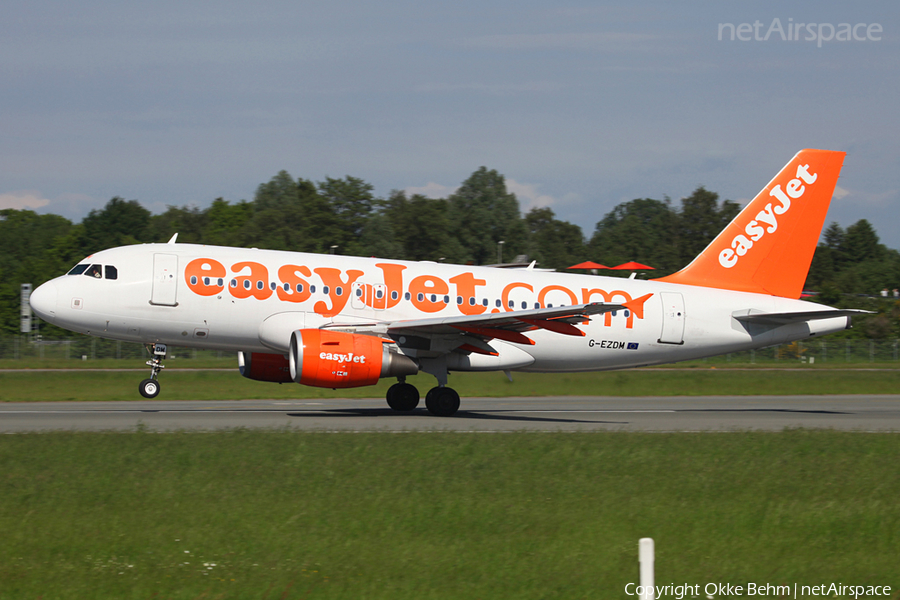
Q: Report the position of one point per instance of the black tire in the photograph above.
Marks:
(149, 388)
(403, 397)
(442, 401)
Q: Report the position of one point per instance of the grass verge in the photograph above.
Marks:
(230, 362)
(228, 385)
(289, 515)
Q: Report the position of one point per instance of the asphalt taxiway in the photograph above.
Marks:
(562, 413)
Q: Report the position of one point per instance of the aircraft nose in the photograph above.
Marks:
(43, 301)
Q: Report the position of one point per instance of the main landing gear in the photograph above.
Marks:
(402, 396)
(149, 388)
(441, 401)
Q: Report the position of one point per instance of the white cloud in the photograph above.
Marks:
(432, 190)
(528, 195)
(887, 197)
(72, 206)
(840, 193)
(21, 200)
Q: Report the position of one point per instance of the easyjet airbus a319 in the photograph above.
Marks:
(341, 321)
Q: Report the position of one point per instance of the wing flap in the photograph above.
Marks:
(517, 320)
(500, 334)
(507, 326)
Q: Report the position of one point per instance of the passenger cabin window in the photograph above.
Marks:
(111, 272)
(78, 269)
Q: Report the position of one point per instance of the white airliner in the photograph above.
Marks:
(341, 321)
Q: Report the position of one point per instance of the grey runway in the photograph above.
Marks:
(562, 413)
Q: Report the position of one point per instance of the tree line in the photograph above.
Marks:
(344, 216)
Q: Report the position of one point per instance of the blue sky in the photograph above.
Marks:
(580, 104)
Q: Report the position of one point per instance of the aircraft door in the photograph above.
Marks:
(358, 295)
(673, 318)
(365, 295)
(165, 280)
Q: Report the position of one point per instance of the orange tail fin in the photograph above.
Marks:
(768, 247)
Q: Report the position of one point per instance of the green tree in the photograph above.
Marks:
(290, 215)
(120, 223)
(481, 213)
(422, 229)
(834, 236)
(377, 238)
(224, 223)
(643, 230)
(553, 243)
(26, 236)
(700, 220)
(861, 243)
(27, 244)
(188, 222)
(67, 250)
(352, 203)
(276, 208)
(823, 268)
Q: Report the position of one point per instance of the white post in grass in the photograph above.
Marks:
(645, 558)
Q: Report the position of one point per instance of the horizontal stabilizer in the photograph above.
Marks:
(794, 317)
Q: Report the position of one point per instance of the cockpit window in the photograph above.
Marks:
(95, 271)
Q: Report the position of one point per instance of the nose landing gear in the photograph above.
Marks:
(149, 388)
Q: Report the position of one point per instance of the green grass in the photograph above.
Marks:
(230, 362)
(225, 385)
(433, 515)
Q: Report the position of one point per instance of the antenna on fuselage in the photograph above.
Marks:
(172, 241)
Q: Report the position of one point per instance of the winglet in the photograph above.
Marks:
(768, 247)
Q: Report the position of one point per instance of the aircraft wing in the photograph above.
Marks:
(794, 317)
(507, 326)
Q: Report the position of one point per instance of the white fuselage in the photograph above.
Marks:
(240, 299)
